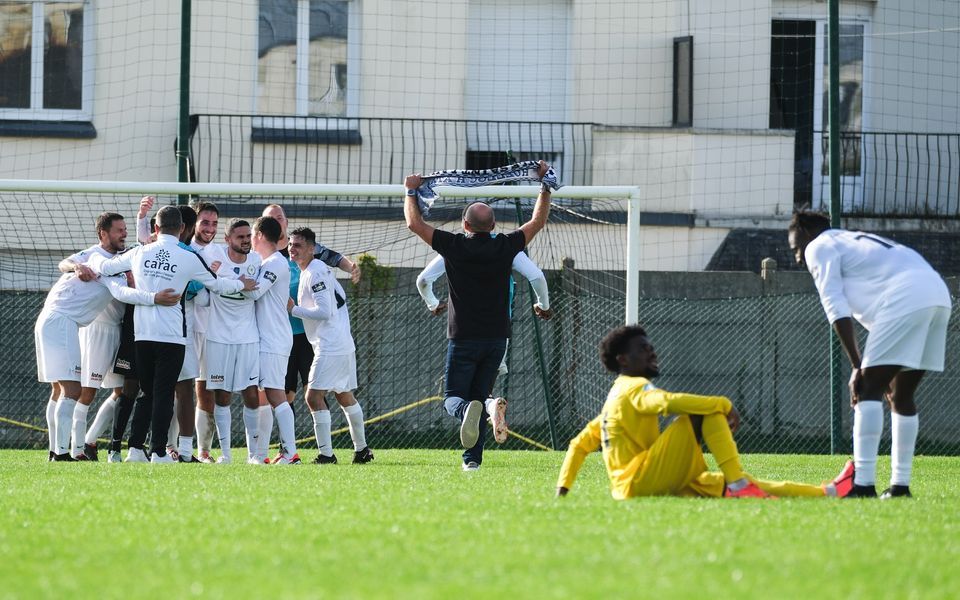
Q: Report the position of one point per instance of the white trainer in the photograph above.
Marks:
(136, 455)
(114, 457)
(166, 459)
(471, 466)
(470, 426)
(256, 460)
(497, 409)
(284, 459)
(224, 460)
(205, 457)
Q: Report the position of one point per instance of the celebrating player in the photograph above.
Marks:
(643, 461)
(326, 321)
(905, 305)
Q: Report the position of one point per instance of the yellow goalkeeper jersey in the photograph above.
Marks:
(628, 426)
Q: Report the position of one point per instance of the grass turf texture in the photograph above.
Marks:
(411, 524)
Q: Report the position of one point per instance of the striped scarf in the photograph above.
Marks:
(521, 171)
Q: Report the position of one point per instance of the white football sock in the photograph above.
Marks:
(251, 425)
(321, 429)
(266, 430)
(79, 433)
(204, 424)
(103, 420)
(904, 431)
(221, 414)
(52, 425)
(867, 427)
(354, 415)
(64, 418)
(284, 415)
(185, 446)
(174, 430)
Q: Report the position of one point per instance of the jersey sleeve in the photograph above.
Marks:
(322, 292)
(425, 279)
(442, 241)
(202, 274)
(118, 264)
(525, 266)
(657, 401)
(265, 280)
(327, 256)
(587, 441)
(121, 291)
(518, 241)
(824, 263)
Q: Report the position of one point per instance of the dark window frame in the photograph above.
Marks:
(678, 45)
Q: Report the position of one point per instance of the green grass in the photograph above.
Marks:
(412, 525)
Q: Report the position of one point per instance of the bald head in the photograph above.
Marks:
(478, 218)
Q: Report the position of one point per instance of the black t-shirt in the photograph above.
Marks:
(478, 275)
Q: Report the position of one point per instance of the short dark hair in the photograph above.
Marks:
(615, 343)
(169, 220)
(204, 206)
(234, 223)
(188, 215)
(105, 221)
(811, 221)
(269, 227)
(306, 233)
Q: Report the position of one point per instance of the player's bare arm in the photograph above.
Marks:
(351, 267)
(411, 211)
(848, 339)
(541, 209)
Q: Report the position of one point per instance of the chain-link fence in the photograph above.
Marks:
(767, 352)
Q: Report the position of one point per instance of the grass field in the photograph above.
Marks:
(412, 525)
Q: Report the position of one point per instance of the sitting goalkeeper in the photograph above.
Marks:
(643, 461)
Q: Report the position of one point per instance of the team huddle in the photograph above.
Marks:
(181, 313)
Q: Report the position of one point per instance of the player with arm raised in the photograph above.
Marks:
(905, 305)
(74, 301)
(161, 332)
(326, 321)
(641, 460)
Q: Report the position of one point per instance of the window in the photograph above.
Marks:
(307, 58)
(683, 81)
(851, 99)
(45, 61)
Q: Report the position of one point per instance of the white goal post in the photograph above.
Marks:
(629, 193)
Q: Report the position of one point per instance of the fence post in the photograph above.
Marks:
(183, 135)
(836, 380)
(770, 385)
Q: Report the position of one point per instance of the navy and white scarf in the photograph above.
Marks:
(522, 171)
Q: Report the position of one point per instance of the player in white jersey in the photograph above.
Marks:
(905, 305)
(233, 342)
(326, 322)
(74, 301)
(276, 339)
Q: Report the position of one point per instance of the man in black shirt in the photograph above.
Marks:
(478, 266)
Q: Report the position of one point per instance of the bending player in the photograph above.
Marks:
(326, 321)
(905, 305)
(643, 461)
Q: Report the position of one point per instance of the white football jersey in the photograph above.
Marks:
(870, 277)
(210, 253)
(83, 301)
(232, 318)
(273, 291)
(323, 309)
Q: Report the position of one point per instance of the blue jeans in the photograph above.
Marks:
(470, 373)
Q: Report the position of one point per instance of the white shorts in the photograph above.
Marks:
(273, 371)
(232, 367)
(57, 340)
(98, 349)
(200, 344)
(334, 372)
(915, 341)
(191, 364)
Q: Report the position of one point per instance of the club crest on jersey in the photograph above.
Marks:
(160, 263)
(269, 276)
(236, 270)
(251, 270)
(318, 287)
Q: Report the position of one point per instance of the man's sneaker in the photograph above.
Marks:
(470, 466)
(862, 491)
(81, 458)
(136, 455)
(173, 453)
(205, 457)
(166, 459)
(842, 484)
(497, 409)
(470, 426)
(114, 457)
(256, 460)
(192, 459)
(748, 491)
(224, 460)
(51, 456)
(362, 457)
(325, 460)
(896, 491)
(90, 451)
(65, 457)
(283, 459)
